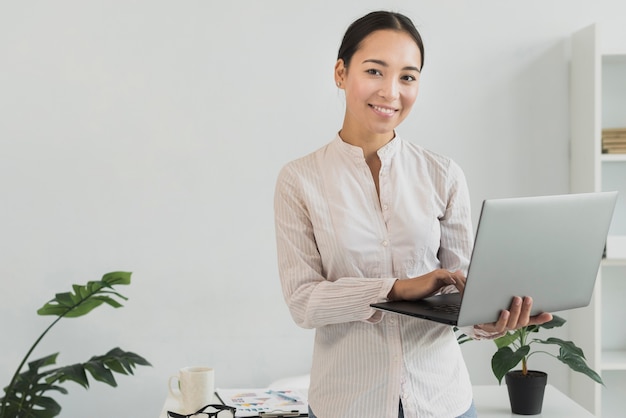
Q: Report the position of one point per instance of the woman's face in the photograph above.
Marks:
(381, 84)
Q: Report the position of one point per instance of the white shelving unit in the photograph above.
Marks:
(597, 101)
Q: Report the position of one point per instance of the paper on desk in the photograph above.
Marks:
(251, 402)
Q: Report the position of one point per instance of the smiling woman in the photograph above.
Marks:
(371, 217)
(381, 84)
(384, 53)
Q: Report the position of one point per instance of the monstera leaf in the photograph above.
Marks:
(26, 395)
(88, 297)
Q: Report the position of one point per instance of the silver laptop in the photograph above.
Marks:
(547, 247)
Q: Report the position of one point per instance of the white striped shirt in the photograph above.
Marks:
(341, 246)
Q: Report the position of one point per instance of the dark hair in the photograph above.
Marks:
(371, 22)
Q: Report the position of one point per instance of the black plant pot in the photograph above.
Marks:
(526, 391)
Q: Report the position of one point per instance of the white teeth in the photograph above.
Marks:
(383, 110)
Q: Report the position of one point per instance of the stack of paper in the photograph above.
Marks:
(614, 141)
(255, 402)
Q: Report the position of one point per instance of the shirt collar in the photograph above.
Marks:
(384, 153)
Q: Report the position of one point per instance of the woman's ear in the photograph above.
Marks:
(340, 73)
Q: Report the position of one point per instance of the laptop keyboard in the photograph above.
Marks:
(447, 308)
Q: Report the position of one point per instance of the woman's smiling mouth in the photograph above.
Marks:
(384, 110)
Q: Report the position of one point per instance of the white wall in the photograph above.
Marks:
(146, 136)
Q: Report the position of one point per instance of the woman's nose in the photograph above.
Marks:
(390, 90)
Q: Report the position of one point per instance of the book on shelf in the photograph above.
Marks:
(614, 141)
(613, 149)
(614, 131)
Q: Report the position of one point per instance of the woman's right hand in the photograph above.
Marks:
(427, 285)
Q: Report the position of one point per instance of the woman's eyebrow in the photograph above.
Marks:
(384, 64)
(375, 61)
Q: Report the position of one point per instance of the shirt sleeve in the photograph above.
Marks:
(313, 300)
(456, 224)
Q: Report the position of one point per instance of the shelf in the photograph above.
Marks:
(609, 56)
(613, 157)
(597, 102)
(614, 262)
(614, 360)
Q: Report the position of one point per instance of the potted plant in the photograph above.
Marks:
(526, 387)
(26, 395)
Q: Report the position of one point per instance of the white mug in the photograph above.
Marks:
(195, 388)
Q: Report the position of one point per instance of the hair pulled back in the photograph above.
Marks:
(371, 22)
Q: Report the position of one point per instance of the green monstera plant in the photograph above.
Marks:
(515, 347)
(26, 396)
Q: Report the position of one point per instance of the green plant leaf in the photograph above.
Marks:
(101, 373)
(116, 278)
(573, 356)
(531, 328)
(82, 307)
(75, 373)
(578, 364)
(507, 339)
(556, 322)
(101, 368)
(117, 358)
(567, 348)
(505, 359)
(49, 360)
(461, 338)
(24, 396)
(41, 407)
(86, 298)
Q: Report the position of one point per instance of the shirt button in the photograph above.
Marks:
(385, 207)
(385, 243)
(405, 395)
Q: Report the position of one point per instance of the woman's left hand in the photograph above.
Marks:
(517, 316)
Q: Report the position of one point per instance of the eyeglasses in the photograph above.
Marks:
(211, 411)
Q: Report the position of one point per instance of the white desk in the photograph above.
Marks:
(493, 402)
(171, 404)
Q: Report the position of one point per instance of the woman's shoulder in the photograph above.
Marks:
(427, 155)
(305, 165)
(305, 160)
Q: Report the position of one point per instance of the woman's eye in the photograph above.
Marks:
(409, 78)
(373, 72)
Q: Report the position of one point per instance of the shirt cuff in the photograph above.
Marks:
(377, 315)
(476, 333)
